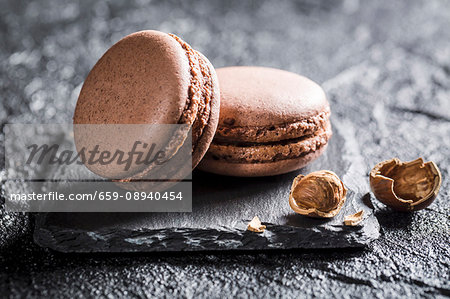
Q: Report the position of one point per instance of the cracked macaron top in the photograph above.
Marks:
(271, 122)
(150, 77)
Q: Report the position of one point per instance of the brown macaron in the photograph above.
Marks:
(271, 122)
(150, 77)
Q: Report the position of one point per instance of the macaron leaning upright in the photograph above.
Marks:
(150, 77)
(271, 122)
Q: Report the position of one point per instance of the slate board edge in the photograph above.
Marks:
(194, 239)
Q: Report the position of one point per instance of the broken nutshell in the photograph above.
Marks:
(354, 219)
(255, 225)
(405, 186)
(318, 194)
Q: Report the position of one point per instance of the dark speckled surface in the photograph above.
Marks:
(385, 66)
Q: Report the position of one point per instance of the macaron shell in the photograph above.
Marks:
(263, 97)
(271, 122)
(259, 169)
(142, 79)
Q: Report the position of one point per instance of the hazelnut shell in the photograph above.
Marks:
(405, 186)
(319, 194)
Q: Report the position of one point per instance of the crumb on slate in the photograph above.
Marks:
(255, 225)
(355, 219)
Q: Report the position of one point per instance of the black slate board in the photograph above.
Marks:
(222, 208)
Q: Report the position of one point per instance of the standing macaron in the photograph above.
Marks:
(150, 77)
(271, 122)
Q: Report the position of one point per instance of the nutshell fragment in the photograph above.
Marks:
(354, 219)
(318, 194)
(255, 225)
(405, 186)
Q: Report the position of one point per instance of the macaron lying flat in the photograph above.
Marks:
(150, 77)
(271, 122)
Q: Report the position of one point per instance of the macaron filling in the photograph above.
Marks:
(198, 103)
(292, 130)
(268, 152)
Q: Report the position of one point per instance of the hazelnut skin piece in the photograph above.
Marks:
(319, 194)
(405, 186)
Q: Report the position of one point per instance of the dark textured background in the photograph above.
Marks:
(385, 66)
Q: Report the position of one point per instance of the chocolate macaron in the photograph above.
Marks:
(150, 77)
(271, 122)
